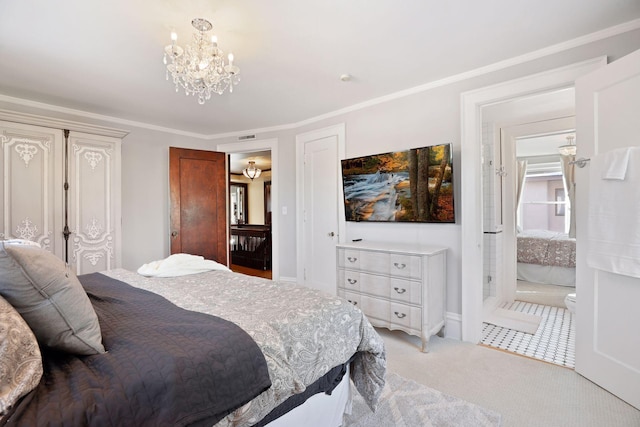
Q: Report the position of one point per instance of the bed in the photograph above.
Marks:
(212, 348)
(546, 257)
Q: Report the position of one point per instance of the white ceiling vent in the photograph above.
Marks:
(246, 137)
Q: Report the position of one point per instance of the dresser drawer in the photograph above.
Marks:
(407, 316)
(374, 262)
(353, 298)
(349, 280)
(408, 266)
(375, 308)
(349, 258)
(399, 265)
(406, 291)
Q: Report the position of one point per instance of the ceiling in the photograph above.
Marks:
(105, 58)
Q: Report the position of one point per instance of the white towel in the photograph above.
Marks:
(180, 265)
(614, 218)
(615, 163)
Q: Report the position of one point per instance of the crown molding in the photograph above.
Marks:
(49, 122)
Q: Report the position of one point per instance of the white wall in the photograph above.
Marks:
(428, 117)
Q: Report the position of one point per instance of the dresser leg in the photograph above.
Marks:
(425, 344)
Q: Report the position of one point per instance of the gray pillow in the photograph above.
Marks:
(20, 359)
(50, 299)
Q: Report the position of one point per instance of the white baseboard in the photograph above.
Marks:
(288, 279)
(453, 326)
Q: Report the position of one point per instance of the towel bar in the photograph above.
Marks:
(581, 162)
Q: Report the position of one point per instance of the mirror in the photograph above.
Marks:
(239, 203)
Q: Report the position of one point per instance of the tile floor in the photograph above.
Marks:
(553, 342)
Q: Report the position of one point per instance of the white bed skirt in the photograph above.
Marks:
(320, 410)
(547, 274)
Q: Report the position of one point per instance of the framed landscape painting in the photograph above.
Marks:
(415, 185)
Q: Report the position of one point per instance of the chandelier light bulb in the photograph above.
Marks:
(231, 59)
(174, 36)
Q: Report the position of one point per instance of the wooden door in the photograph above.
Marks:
(198, 191)
(607, 315)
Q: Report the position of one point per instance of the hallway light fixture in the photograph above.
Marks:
(251, 171)
(569, 149)
(199, 68)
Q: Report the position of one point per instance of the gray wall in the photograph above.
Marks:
(429, 117)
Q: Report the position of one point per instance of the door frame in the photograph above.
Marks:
(301, 139)
(471, 166)
(263, 145)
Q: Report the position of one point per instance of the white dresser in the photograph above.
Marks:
(397, 286)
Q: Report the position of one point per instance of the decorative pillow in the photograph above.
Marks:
(20, 359)
(50, 299)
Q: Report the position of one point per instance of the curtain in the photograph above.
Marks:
(568, 178)
(521, 177)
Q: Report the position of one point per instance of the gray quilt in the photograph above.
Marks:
(303, 333)
(164, 366)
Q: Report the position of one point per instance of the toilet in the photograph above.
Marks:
(570, 302)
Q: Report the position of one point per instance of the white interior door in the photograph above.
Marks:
(320, 214)
(607, 314)
(94, 202)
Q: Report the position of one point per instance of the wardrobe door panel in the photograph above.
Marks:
(94, 202)
(31, 191)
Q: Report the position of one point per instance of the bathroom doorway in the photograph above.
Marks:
(516, 133)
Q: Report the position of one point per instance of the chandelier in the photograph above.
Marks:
(251, 171)
(568, 149)
(199, 68)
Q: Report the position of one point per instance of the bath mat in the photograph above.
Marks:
(515, 320)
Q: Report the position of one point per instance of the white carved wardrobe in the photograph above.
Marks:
(61, 188)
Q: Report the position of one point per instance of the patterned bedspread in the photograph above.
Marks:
(303, 333)
(553, 250)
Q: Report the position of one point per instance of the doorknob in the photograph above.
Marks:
(174, 234)
(331, 234)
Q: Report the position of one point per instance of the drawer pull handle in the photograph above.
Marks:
(400, 290)
(353, 302)
(352, 259)
(400, 315)
(399, 265)
(352, 281)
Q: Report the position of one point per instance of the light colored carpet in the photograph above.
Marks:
(526, 392)
(515, 320)
(405, 403)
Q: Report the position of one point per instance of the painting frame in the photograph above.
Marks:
(413, 185)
